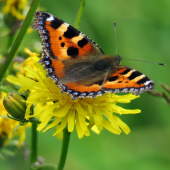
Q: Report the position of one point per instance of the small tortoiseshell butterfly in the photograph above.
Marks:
(79, 66)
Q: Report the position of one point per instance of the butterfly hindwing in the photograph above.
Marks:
(126, 79)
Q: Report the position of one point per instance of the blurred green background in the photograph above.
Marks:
(143, 33)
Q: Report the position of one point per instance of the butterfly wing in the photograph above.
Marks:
(81, 78)
(62, 41)
(126, 79)
(64, 49)
(120, 79)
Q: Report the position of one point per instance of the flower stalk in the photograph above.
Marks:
(64, 149)
(34, 155)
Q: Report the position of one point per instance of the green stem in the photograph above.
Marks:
(79, 14)
(34, 154)
(64, 149)
(34, 143)
(19, 38)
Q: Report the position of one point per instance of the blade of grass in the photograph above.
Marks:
(79, 14)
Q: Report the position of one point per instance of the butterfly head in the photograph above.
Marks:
(117, 60)
(107, 63)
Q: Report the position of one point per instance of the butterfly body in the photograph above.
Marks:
(79, 66)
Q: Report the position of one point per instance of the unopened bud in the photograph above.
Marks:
(15, 105)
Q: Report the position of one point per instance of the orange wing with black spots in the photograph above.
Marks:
(122, 79)
(126, 79)
(62, 41)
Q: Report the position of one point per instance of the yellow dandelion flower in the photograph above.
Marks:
(30, 30)
(33, 57)
(7, 126)
(15, 7)
(82, 113)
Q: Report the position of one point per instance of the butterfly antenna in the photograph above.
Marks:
(162, 64)
(115, 36)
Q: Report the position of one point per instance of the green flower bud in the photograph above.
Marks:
(15, 105)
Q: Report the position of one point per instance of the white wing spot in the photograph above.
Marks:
(66, 24)
(51, 18)
(147, 82)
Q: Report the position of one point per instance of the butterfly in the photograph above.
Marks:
(79, 66)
